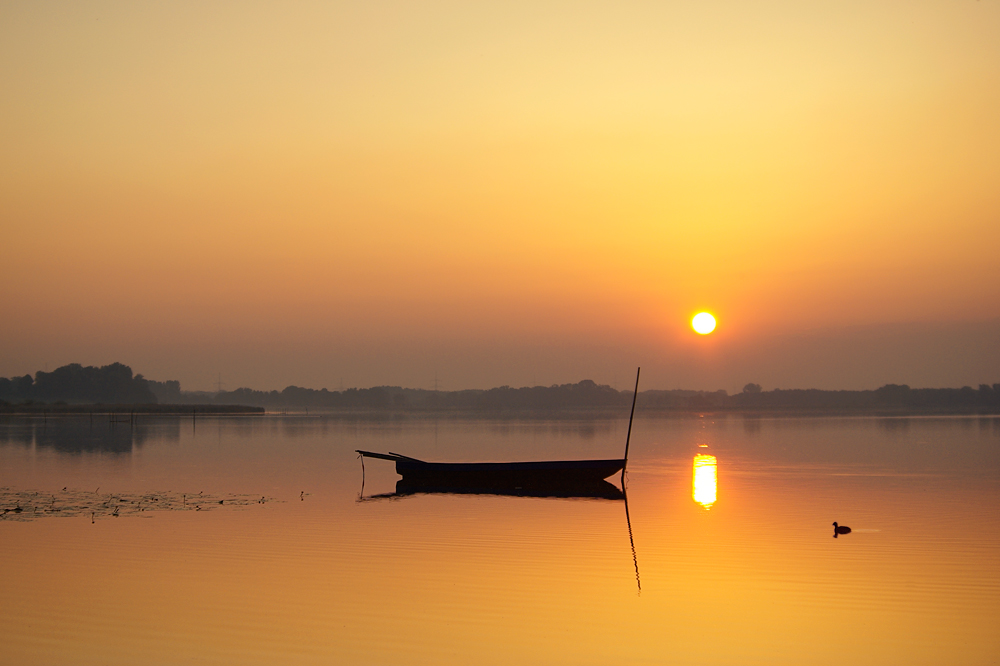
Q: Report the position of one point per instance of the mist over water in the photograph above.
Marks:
(730, 519)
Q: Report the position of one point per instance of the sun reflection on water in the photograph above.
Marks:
(705, 481)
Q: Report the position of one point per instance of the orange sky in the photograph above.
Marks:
(372, 193)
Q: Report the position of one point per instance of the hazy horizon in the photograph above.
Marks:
(840, 359)
(360, 194)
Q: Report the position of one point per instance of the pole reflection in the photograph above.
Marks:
(704, 485)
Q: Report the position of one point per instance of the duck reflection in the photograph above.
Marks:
(704, 486)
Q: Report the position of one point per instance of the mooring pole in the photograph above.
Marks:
(629, 435)
(362, 494)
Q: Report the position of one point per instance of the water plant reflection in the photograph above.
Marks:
(704, 485)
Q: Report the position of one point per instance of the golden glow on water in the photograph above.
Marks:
(452, 579)
(704, 485)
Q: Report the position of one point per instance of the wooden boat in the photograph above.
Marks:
(545, 474)
(600, 490)
(540, 474)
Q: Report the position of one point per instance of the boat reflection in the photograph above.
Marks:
(704, 485)
(594, 490)
(631, 541)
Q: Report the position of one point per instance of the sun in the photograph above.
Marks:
(703, 323)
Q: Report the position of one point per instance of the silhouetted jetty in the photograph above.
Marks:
(123, 413)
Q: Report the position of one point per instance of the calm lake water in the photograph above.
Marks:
(733, 562)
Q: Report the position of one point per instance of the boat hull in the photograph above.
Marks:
(596, 490)
(544, 474)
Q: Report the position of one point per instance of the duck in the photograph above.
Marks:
(840, 529)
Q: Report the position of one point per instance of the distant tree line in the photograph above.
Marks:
(115, 384)
(588, 396)
(889, 398)
(76, 384)
(582, 395)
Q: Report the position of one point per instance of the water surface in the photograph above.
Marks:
(734, 559)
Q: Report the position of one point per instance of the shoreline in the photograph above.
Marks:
(122, 410)
(568, 413)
